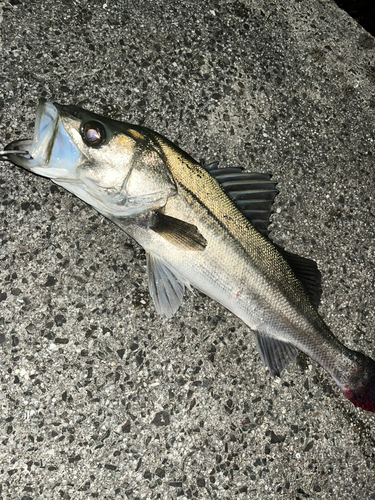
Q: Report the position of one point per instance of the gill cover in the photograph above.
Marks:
(113, 166)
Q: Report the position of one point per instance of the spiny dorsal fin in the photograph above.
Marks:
(253, 193)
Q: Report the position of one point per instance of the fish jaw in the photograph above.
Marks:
(52, 153)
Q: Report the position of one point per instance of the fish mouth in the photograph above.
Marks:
(51, 152)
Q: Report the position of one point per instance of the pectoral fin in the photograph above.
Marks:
(275, 354)
(165, 285)
(178, 232)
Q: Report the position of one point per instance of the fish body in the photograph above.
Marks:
(195, 234)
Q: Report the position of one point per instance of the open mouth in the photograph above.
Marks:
(51, 153)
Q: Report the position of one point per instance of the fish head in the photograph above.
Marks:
(115, 167)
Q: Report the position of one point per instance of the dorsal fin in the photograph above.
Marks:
(307, 272)
(253, 193)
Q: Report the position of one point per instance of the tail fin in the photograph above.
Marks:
(360, 388)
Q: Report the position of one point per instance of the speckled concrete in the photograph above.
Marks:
(100, 397)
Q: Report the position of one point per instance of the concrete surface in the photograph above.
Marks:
(100, 397)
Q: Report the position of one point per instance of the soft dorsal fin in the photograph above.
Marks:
(253, 193)
(307, 272)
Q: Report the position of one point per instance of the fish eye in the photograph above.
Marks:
(93, 134)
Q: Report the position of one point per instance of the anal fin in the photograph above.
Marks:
(274, 353)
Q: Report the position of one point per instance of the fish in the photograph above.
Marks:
(201, 227)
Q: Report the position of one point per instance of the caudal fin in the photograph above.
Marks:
(360, 389)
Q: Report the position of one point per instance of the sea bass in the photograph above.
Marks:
(201, 226)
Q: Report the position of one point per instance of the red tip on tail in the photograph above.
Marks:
(361, 390)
